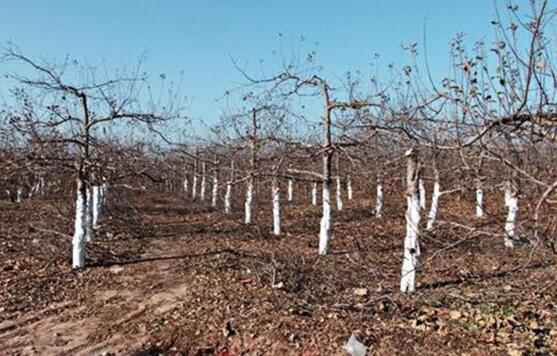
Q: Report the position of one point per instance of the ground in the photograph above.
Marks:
(168, 276)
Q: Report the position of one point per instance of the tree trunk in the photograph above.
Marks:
(422, 195)
(228, 193)
(511, 202)
(479, 201)
(104, 194)
(290, 190)
(326, 221)
(96, 205)
(215, 191)
(227, 196)
(186, 183)
(379, 202)
(42, 186)
(194, 187)
(203, 181)
(78, 241)
(89, 233)
(434, 204)
(249, 201)
(194, 180)
(326, 226)
(349, 188)
(19, 198)
(314, 194)
(411, 244)
(339, 194)
(276, 207)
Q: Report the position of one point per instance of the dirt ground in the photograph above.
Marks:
(169, 276)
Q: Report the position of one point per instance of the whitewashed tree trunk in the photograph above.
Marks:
(37, 187)
(203, 182)
(249, 201)
(314, 194)
(104, 194)
(326, 221)
(339, 194)
(34, 189)
(422, 195)
(411, 244)
(434, 205)
(215, 191)
(479, 202)
(97, 201)
(9, 193)
(379, 202)
(290, 190)
(194, 187)
(78, 241)
(19, 197)
(42, 186)
(89, 215)
(186, 183)
(227, 196)
(349, 188)
(276, 207)
(511, 202)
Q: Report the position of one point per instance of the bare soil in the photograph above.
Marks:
(174, 277)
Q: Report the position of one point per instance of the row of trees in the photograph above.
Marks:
(488, 126)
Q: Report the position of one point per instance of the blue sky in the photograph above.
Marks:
(198, 36)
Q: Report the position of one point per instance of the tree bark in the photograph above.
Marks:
(290, 190)
(276, 207)
(78, 241)
(411, 244)
(511, 202)
(379, 201)
(314, 194)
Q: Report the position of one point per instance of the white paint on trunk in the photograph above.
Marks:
(411, 246)
(97, 201)
(215, 191)
(194, 187)
(326, 221)
(422, 194)
(290, 190)
(42, 186)
(227, 196)
(34, 189)
(276, 208)
(339, 195)
(479, 203)
(249, 201)
(186, 183)
(89, 215)
(349, 188)
(511, 201)
(379, 202)
(104, 194)
(203, 186)
(78, 241)
(314, 194)
(434, 206)
(19, 196)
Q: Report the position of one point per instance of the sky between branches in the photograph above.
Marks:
(198, 37)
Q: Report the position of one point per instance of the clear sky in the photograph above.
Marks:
(198, 36)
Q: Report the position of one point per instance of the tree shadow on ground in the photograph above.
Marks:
(115, 262)
(485, 276)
